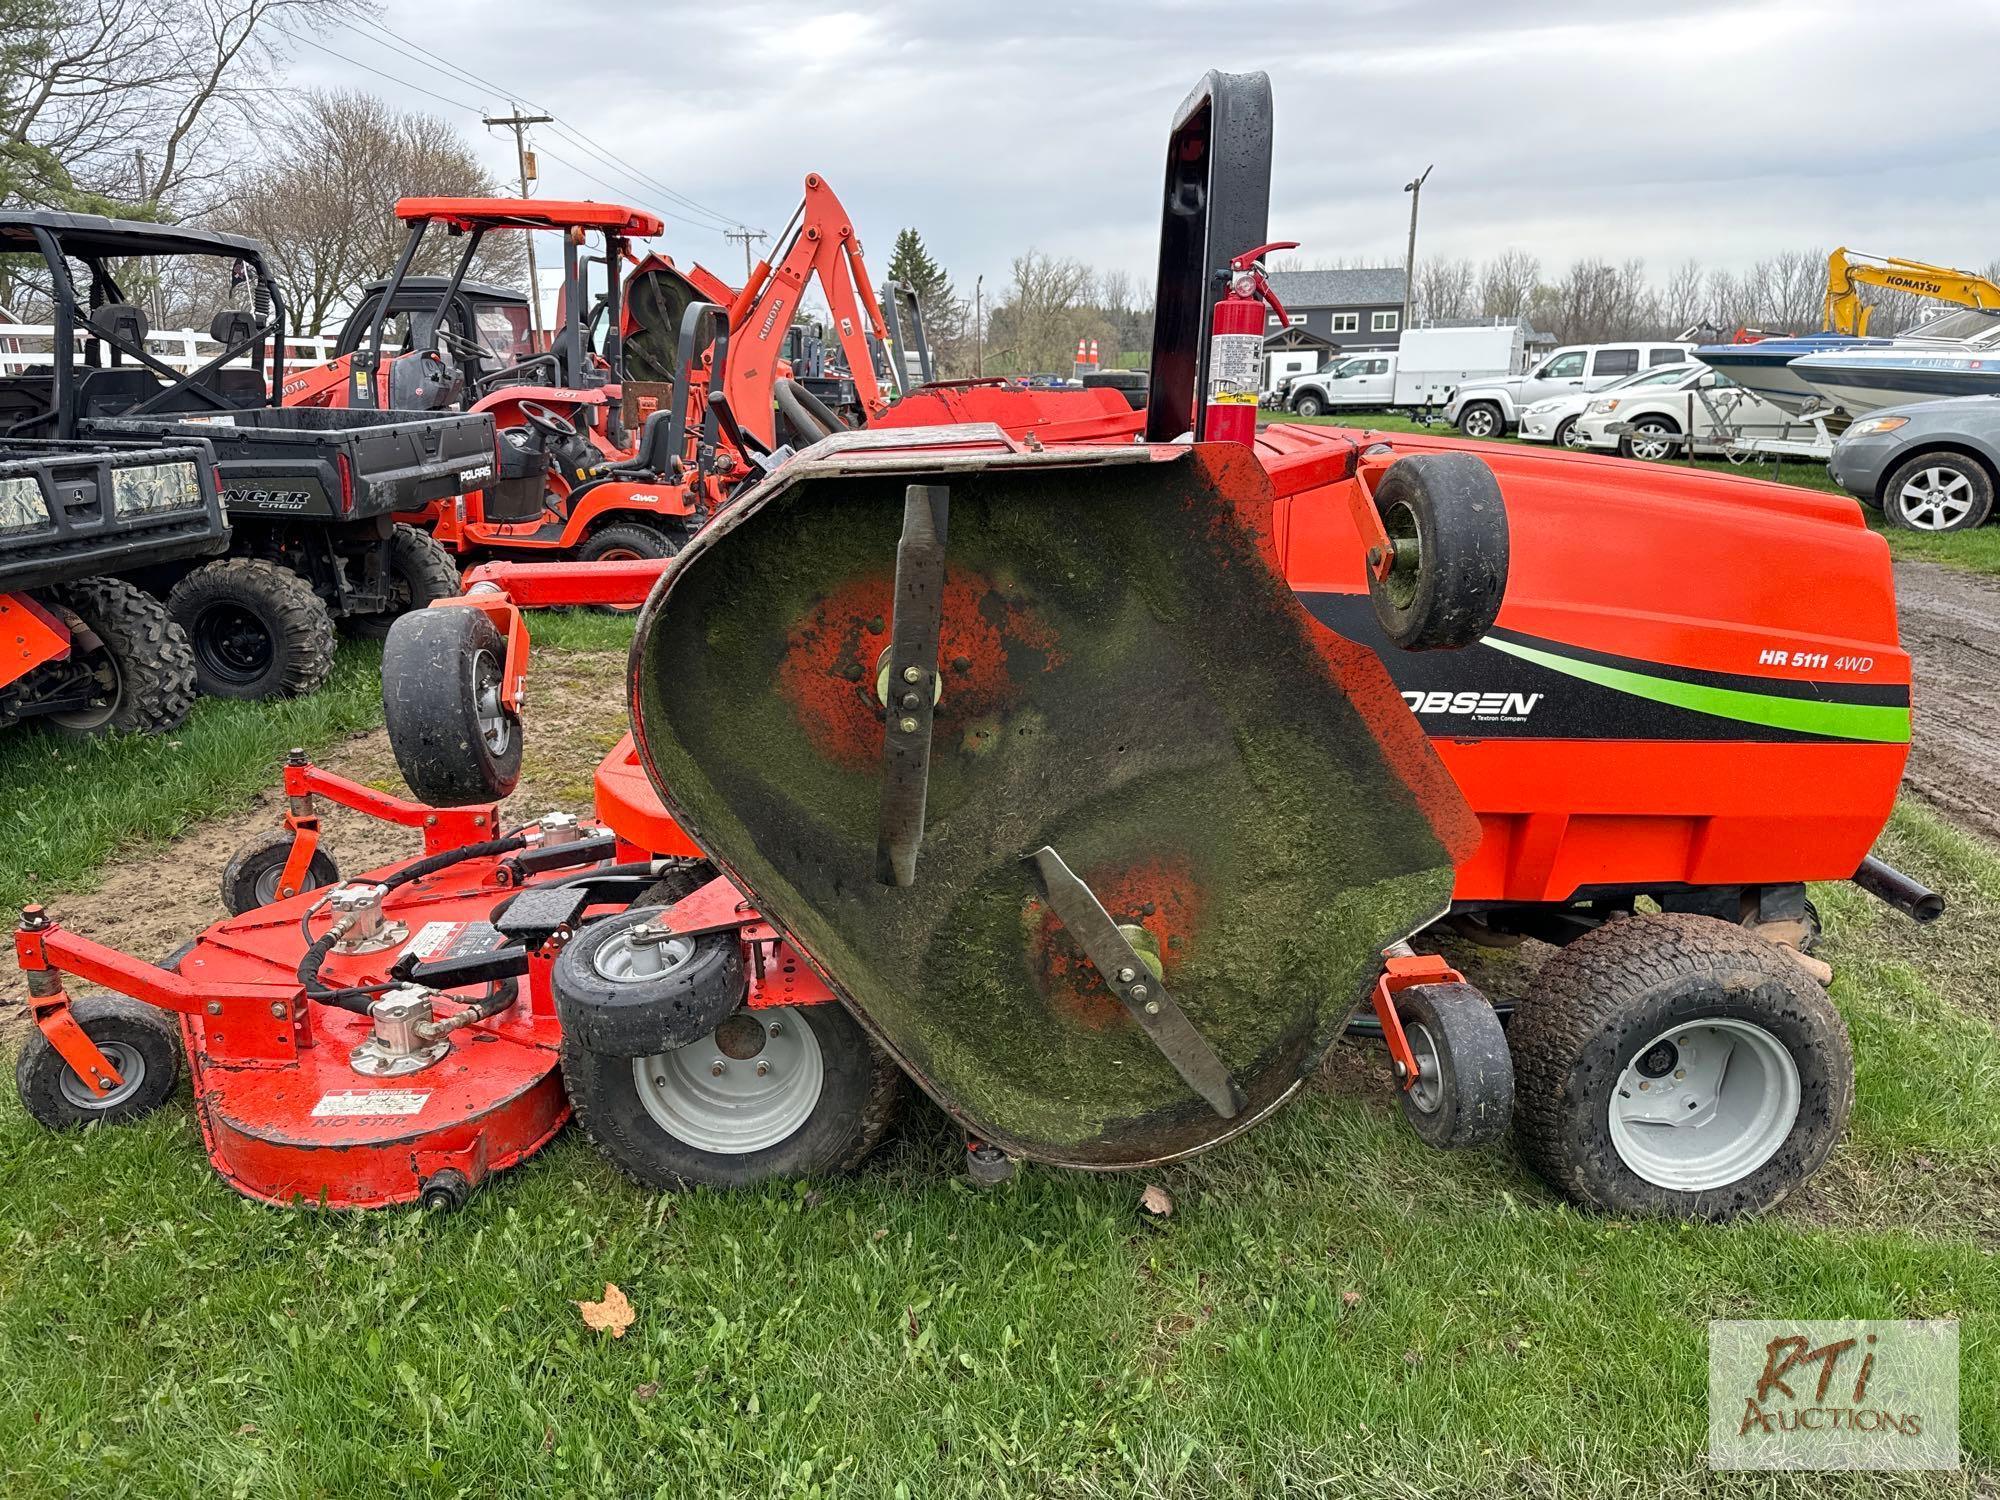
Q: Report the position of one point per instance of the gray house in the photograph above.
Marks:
(1331, 312)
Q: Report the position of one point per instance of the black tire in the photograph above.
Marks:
(859, 1091)
(1565, 430)
(453, 740)
(250, 879)
(1660, 428)
(1464, 1093)
(142, 661)
(1482, 419)
(1938, 492)
(258, 629)
(420, 570)
(1309, 405)
(1445, 515)
(1608, 1001)
(636, 1015)
(140, 1040)
(626, 541)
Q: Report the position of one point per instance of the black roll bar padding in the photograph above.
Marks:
(834, 421)
(1216, 204)
(1910, 897)
(789, 395)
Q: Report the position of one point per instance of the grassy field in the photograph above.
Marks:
(1331, 1310)
(1977, 551)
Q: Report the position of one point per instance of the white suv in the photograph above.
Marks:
(1489, 408)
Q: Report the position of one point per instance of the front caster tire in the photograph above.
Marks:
(704, 1115)
(454, 741)
(1464, 1092)
(139, 661)
(258, 630)
(420, 570)
(1448, 524)
(251, 877)
(140, 1041)
(625, 988)
(1679, 1066)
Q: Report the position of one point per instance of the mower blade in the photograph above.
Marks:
(1144, 997)
(913, 648)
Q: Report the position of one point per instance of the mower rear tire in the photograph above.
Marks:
(623, 997)
(142, 660)
(1464, 1092)
(454, 741)
(1448, 524)
(825, 1100)
(258, 629)
(420, 570)
(250, 879)
(141, 1041)
(1677, 1065)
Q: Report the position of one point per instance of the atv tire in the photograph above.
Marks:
(669, 1122)
(453, 739)
(142, 659)
(420, 570)
(1446, 519)
(141, 1041)
(258, 629)
(1631, 1022)
(250, 879)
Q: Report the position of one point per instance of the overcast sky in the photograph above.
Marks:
(1725, 129)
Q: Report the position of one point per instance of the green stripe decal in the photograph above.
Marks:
(1843, 721)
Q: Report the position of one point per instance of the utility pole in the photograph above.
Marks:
(746, 234)
(978, 325)
(1416, 191)
(520, 123)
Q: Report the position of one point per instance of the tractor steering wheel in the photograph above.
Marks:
(546, 420)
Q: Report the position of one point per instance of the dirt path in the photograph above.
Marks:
(151, 903)
(1951, 628)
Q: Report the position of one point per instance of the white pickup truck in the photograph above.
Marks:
(1492, 408)
(1360, 382)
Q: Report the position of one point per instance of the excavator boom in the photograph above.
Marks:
(1847, 271)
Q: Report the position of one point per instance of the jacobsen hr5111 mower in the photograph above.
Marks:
(1020, 771)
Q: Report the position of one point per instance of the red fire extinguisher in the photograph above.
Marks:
(1236, 350)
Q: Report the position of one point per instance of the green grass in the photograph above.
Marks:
(1976, 551)
(68, 805)
(1332, 1309)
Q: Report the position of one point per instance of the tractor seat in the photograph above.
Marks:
(651, 459)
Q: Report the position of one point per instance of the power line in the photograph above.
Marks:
(389, 77)
(575, 136)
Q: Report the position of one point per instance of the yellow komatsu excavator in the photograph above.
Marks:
(1847, 271)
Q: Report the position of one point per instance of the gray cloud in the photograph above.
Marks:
(1661, 130)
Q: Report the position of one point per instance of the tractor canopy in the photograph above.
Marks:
(1037, 759)
(530, 213)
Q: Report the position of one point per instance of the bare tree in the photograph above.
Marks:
(1040, 317)
(1507, 283)
(130, 100)
(324, 206)
(1447, 291)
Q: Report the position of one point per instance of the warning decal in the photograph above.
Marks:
(360, 1104)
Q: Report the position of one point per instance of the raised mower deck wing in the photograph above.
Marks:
(1125, 680)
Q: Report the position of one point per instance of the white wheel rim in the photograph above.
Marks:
(1936, 499)
(1651, 448)
(1704, 1105)
(719, 1095)
(131, 1066)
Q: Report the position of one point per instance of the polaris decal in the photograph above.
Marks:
(1516, 686)
(268, 499)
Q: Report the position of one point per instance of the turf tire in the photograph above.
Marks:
(1445, 514)
(438, 667)
(1474, 1092)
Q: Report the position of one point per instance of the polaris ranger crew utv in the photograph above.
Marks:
(311, 495)
(88, 652)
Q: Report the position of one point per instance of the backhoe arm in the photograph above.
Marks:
(1847, 271)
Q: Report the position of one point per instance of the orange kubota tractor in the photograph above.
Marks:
(572, 478)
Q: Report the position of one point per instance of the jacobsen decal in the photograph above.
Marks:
(1516, 686)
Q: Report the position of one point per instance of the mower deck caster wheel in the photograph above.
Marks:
(769, 1094)
(626, 987)
(988, 1166)
(446, 1191)
(251, 877)
(140, 1041)
(454, 740)
(1448, 524)
(1464, 1091)
(1678, 1065)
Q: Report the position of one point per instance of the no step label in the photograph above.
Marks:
(364, 1104)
